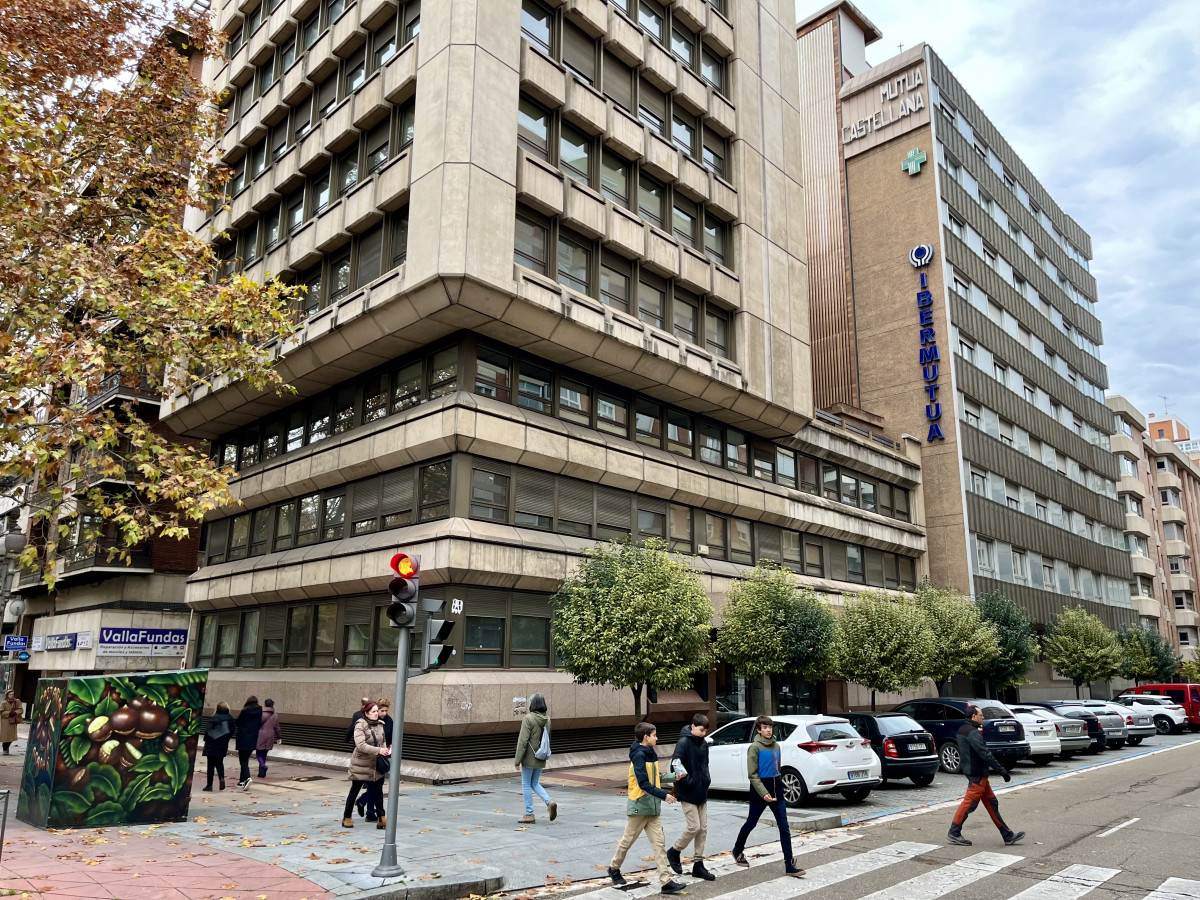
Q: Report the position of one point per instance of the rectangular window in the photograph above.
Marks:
(492, 374)
(849, 489)
(716, 332)
(829, 480)
(681, 529)
(579, 52)
(435, 491)
(714, 535)
(711, 443)
(574, 402)
(785, 467)
(618, 81)
(716, 239)
(651, 200)
(574, 154)
(712, 69)
(737, 456)
(652, 18)
(714, 152)
(614, 285)
(533, 128)
(574, 259)
(854, 564)
(648, 423)
(813, 563)
(683, 132)
(379, 145)
(652, 108)
(679, 432)
(443, 372)
(530, 245)
(683, 221)
(530, 643)
(483, 643)
(534, 390)
(652, 299)
(384, 41)
(614, 178)
(406, 389)
(612, 415)
(356, 70)
(535, 24)
(489, 496)
(685, 316)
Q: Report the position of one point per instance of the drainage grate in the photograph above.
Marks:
(464, 793)
(267, 814)
(309, 778)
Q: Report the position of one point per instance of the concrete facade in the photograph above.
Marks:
(560, 298)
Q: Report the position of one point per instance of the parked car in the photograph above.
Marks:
(904, 748)
(1111, 720)
(1071, 733)
(1098, 740)
(1044, 744)
(1138, 723)
(727, 711)
(817, 754)
(1186, 695)
(943, 716)
(1169, 717)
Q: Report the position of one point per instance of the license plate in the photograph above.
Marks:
(916, 746)
(1006, 728)
(855, 774)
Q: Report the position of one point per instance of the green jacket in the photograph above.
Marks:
(762, 765)
(531, 738)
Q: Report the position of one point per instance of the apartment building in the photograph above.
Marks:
(955, 301)
(556, 293)
(1160, 490)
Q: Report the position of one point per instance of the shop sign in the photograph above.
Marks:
(929, 359)
(55, 642)
(142, 642)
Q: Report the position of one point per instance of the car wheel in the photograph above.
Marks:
(1163, 725)
(922, 780)
(795, 792)
(1066, 754)
(1133, 741)
(1042, 760)
(856, 795)
(1117, 744)
(950, 757)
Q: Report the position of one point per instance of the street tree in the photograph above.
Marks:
(1190, 671)
(885, 642)
(1018, 643)
(1081, 647)
(104, 127)
(963, 641)
(770, 626)
(633, 616)
(1145, 655)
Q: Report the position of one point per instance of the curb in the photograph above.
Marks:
(487, 880)
(815, 821)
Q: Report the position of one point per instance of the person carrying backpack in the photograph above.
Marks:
(690, 765)
(533, 749)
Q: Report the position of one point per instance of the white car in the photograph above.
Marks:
(1071, 733)
(1139, 724)
(1169, 717)
(1041, 734)
(817, 754)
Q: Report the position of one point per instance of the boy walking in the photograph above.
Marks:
(691, 788)
(766, 790)
(644, 807)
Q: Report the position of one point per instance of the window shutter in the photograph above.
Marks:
(274, 623)
(364, 500)
(653, 99)
(218, 537)
(527, 603)
(613, 507)
(768, 539)
(575, 500)
(357, 610)
(618, 81)
(370, 251)
(397, 490)
(481, 601)
(535, 492)
(579, 51)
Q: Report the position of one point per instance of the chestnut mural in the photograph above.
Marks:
(112, 749)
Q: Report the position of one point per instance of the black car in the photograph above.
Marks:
(943, 716)
(1073, 711)
(904, 748)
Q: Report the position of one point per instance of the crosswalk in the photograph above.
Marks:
(1071, 883)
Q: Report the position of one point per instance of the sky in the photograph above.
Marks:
(1101, 99)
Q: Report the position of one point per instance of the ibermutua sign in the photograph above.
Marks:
(930, 358)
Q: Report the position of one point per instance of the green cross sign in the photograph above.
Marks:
(912, 162)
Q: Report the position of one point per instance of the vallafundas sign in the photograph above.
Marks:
(142, 642)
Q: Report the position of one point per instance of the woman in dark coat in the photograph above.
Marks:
(249, 721)
(216, 743)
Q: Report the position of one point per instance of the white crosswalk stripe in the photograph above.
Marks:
(832, 873)
(1176, 889)
(949, 878)
(1069, 884)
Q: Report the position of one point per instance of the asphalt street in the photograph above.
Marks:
(1123, 831)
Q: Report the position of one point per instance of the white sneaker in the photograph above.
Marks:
(246, 785)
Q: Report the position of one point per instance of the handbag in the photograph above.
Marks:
(383, 764)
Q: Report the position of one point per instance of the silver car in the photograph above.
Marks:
(1072, 733)
(1112, 721)
(1139, 723)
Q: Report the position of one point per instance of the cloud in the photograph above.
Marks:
(1100, 101)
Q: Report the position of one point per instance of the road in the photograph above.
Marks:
(1125, 831)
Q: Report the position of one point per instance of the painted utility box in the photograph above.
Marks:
(112, 749)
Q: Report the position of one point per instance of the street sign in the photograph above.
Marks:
(15, 642)
(23, 656)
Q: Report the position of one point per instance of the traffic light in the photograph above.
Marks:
(435, 653)
(402, 610)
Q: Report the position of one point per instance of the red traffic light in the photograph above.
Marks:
(405, 566)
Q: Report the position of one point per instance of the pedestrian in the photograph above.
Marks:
(249, 721)
(385, 706)
(644, 807)
(766, 790)
(358, 713)
(10, 718)
(369, 747)
(372, 803)
(216, 743)
(690, 764)
(977, 761)
(268, 736)
(535, 724)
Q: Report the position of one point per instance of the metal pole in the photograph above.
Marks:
(388, 867)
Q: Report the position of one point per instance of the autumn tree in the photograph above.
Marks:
(1018, 643)
(885, 642)
(1081, 647)
(963, 641)
(632, 616)
(769, 626)
(105, 133)
(1190, 671)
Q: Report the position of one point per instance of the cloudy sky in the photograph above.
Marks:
(1102, 100)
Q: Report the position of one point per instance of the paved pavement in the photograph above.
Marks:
(288, 828)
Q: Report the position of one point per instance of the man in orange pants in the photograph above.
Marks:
(977, 761)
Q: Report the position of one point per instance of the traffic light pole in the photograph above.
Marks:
(388, 867)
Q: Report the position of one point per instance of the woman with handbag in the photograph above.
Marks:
(216, 743)
(369, 763)
(533, 749)
(10, 718)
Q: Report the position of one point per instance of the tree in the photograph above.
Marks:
(885, 642)
(769, 626)
(103, 130)
(1145, 654)
(635, 616)
(1081, 647)
(963, 642)
(1018, 644)
(1190, 671)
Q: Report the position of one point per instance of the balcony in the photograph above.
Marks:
(113, 388)
(1130, 484)
(1143, 565)
(120, 474)
(81, 559)
(1167, 480)
(1182, 581)
(1123, 443)
(1177, 548)
(1135, 524)
(1173, 514)
(1147, 607)
(1187, 618)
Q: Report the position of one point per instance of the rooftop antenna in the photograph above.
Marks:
(900, 47)
(1166, 404)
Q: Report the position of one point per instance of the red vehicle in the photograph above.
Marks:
(1186, 695)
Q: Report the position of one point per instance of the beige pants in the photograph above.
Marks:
(652, 825)
(695, 828)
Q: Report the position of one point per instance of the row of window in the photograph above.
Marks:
(533, 384)
(1016, 565)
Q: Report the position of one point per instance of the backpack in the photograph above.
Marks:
(543, 750)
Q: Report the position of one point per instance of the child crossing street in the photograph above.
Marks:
(766, 790)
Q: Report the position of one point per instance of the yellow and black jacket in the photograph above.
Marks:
(645, 782)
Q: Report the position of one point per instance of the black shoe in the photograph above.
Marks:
(362, 807)
(1014, 838)
(207, 788)
(674, 860)
(698, 871)
(222, 784)
(673, 887)
(371, 817)
(740, 859)
(958, 839)
(794, 870)
(617, 878)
